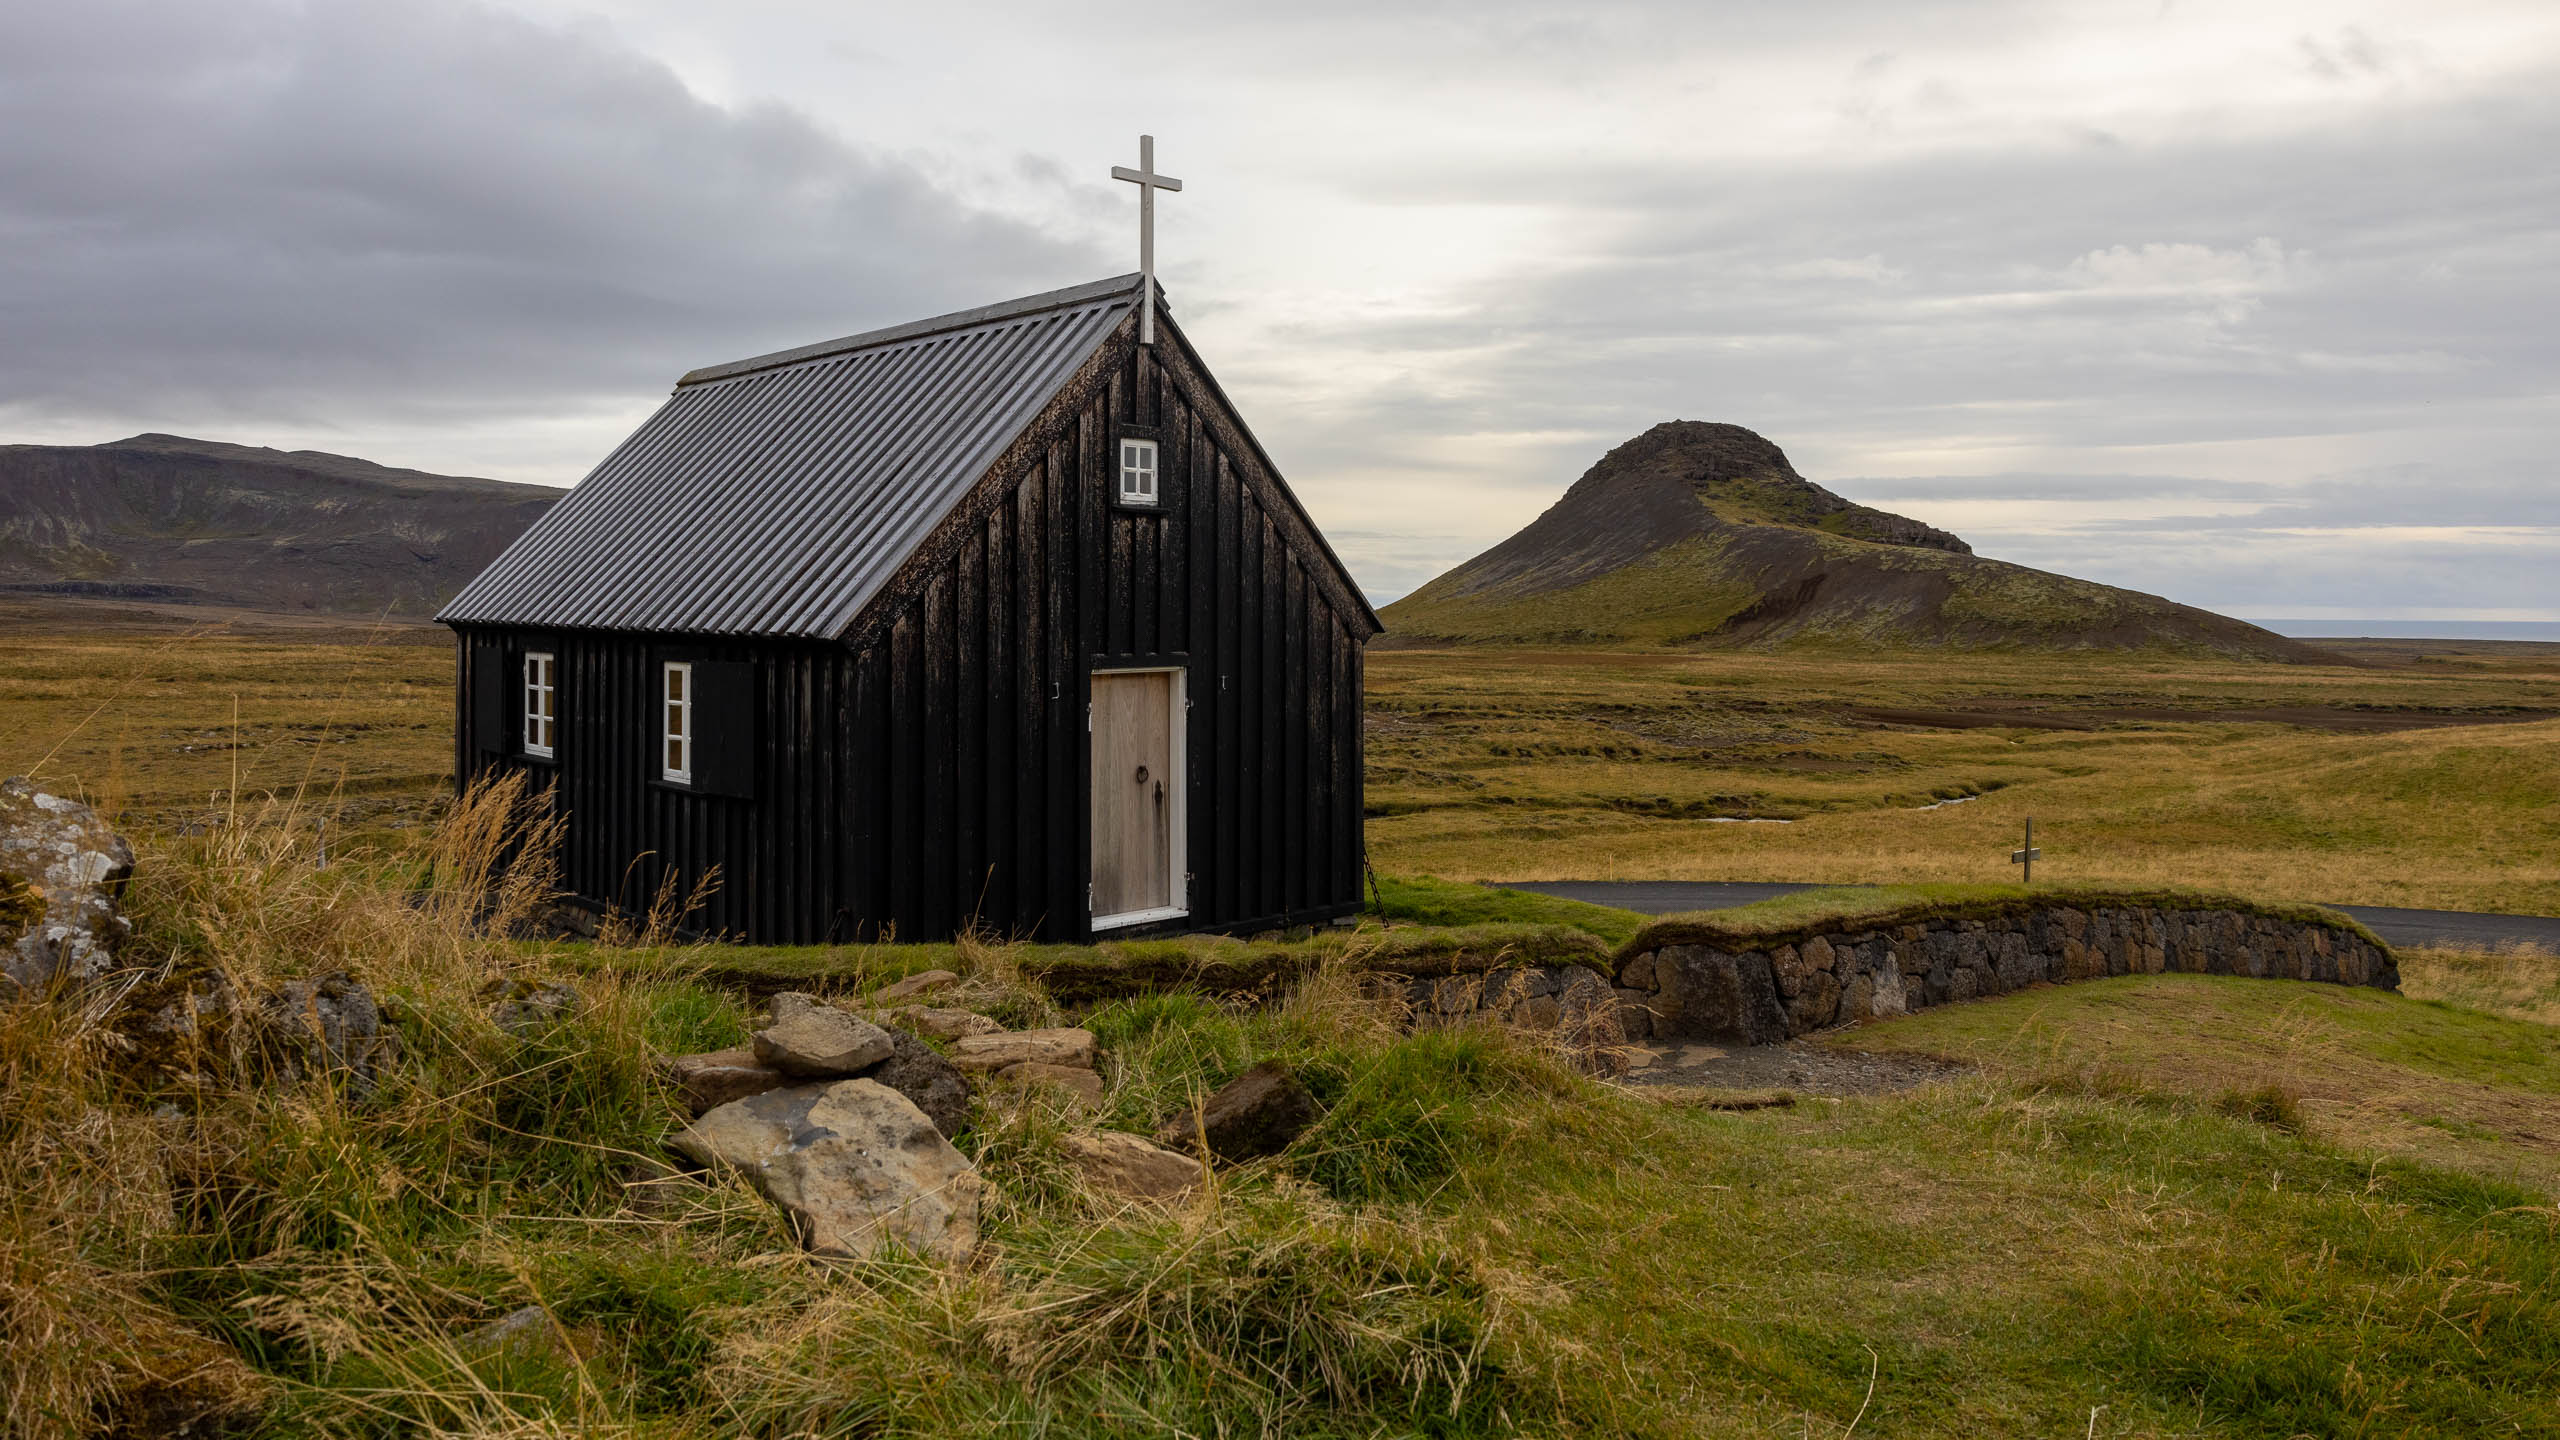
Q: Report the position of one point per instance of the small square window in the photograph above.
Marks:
(1138, 472)
(541, 699)
(678, 694)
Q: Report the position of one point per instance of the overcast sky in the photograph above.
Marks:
(2256, 305)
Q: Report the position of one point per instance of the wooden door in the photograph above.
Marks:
(1137, 795)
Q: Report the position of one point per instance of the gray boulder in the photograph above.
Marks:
(853, 1163)
(62, 871)
(820, 1041)
(521, 1334)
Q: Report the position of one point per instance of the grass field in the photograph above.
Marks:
(2089, 1235)
(156, 712)
(1612, 765)
(1525, 766)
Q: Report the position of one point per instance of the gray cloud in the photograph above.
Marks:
(1889, 490)
(276, 210)
(2381, 497)
(2152, 338)
(2382, 284)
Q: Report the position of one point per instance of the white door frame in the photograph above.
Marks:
(1178, 843)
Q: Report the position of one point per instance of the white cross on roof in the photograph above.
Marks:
(1148, 183)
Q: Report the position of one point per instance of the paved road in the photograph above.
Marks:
(2400, 927)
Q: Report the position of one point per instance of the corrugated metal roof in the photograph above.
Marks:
(775, 496)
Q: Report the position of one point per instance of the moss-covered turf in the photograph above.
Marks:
(1806, 913)
(1427, 900)
(1429, 927)
(1086, 974)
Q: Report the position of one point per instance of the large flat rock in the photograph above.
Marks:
(821, 1041)
(1061, 1046)
(1131, 1166)
(854, 1164)
(718, 1077)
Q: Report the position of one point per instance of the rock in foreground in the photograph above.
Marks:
(1131, 1167)
(1062, 1046)
(924, 983)
(1257, 1113)
(935, 1085)
(853, 1163)
(1084, 1085)
(719, 1077)
(822, 1041)
(945, 1024)
(62, 870)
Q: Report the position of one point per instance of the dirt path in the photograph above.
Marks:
(1798, 1067)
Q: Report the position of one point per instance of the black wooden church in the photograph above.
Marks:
(999, 618)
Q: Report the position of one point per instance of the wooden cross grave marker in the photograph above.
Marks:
(1148, 183)
(2029, 856)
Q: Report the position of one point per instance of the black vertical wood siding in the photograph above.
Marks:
(930, 773)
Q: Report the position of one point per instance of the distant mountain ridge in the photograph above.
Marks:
(1695, 533)
(165, 517)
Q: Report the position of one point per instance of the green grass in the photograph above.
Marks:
(2193, 1205)
(2373, 1070)
(1473, 1240)
(2002, 1261)
(1427, 900)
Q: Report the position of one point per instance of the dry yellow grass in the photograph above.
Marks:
(2521, 982)
(159, 713)
(1523, 766)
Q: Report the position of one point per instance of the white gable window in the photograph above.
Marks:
(678, 751)
(541, 701)
(1137, 472)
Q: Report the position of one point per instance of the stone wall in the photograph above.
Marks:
(1766, 992)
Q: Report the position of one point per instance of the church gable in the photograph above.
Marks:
(1058, 498)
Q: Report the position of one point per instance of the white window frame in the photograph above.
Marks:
(675, 722)
(1142, 482)
(541, 703)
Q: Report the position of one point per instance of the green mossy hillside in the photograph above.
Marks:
(1697, 534)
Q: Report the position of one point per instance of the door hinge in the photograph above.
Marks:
(1088, 717)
